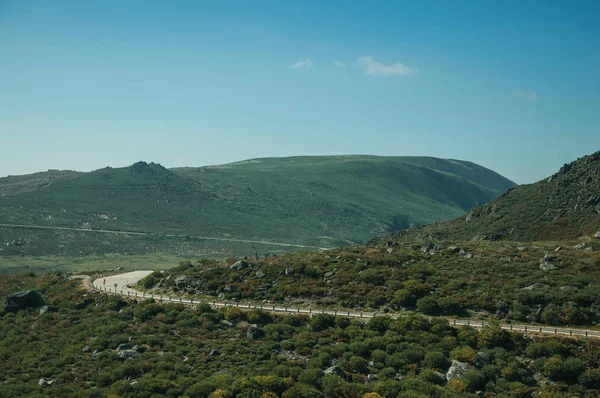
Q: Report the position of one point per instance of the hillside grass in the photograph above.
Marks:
(314, 201)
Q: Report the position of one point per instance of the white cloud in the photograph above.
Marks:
(526, 94)
(374, 68)
(307, 63)
(339, 64)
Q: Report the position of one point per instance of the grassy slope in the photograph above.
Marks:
(320, 201)
(15, 185)
(563, 206)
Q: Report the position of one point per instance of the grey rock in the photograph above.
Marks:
(441, 375)
(44, 382)
(548, 258)
(458, 370)
(48, 308)
(214, 352)
(260, 274)
(253, 332)
(127, 354)
(453, 249)
(227, 323)
(579, 246)
(372, 377)
(439, 247)
(86, 348)
(239, 265)
(139, 348)
(124, 346)
(535, 286)
(547, 266)
(181, 281)
(390, 250)
(597, 235)
(522, 248)
(21, 300)
(568, 288)
(334, 370)
(427, 247)
(289, 271)
(328, 274)
(482, 359)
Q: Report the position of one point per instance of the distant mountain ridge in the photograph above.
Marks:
(565, 205)
(322, 201)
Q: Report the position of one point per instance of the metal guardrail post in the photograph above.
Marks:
(555, 331)
(586, 333)
(525, 327)
(468, 323)
(540, 330)
(571, 332)
(511, 326)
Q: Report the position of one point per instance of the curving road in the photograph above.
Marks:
(125, 280)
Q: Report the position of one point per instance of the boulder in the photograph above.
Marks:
(597, 235)
(44, 382)
(253, 332)
(181, 281)
(458, 370)
(260, 274)
(439, 247)
(427, 247)
(48, 308)
(580, 246)
(482, 359)
(289, 271)
(86, 348)
(239, 265)
(547, 266)
(568, 288)
(127, 354)
(334, 370)
(535, 286)
(21, 300)
(227, 323)
(453, 249)
(372, 377)
(390, 250)
(124, 346)
(440, 375)
(139, 348)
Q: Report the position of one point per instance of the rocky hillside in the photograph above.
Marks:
(565, 205)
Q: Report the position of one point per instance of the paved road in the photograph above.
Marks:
(122, 280)
(108, 231)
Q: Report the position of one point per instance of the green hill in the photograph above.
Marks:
(315, 201)
(563, 206)
(15, 185)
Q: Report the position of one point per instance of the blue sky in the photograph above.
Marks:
(511, 85)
